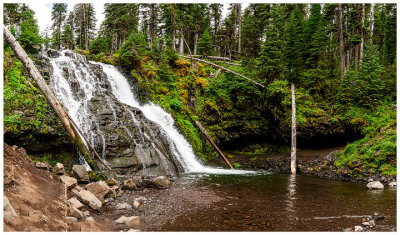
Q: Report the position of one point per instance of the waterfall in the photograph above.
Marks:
(75, 84)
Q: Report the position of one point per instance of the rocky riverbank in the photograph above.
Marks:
(39, 197)
(315, 162)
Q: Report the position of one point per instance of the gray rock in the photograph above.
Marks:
(392, 184)
(70, 182)
(80, 172)
(358, 229)
(375, 185)
(73, 202)
(90, 199)
(76, 190)
(58, 169)
(8, 210)
(129, 185)
(123, 206)
(162, 182)
(53, 53)
(110, 174)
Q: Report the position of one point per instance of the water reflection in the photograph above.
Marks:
(291, 197)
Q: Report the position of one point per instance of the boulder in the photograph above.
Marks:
(162, 182)
(133, 222)
(76, 190)
(371, 223)
(358, 229)
(75, 212)
(8, 210)
(90, 199)
(392, 185)
(43, 165)
(378, 216)
(70, 182)
(121, 220)
(80, 172)
(123, 206)
(73, 202)
(99, 189)
(110, 174)
(58, 169)
(53, 53)
(375, 185)
(129, 185)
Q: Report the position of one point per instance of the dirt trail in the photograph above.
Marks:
(37, 198)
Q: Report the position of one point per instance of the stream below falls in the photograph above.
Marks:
(281, 202)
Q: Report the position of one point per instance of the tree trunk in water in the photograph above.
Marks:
(341, 46)
(362, 33)
(293, 154)
(212, 143)
(50, 97)
(196, 37)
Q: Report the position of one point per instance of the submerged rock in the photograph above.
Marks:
(375, 185)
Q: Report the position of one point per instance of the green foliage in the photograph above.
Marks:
(205, 43)
(131, 52)
(96, 176)
(236, 165)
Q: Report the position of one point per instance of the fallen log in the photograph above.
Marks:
(50, 97)
(213, 144)
(222, 59)
(223, 68)
(216, 73)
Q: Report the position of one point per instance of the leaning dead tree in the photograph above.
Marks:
(68, 124)
(293, 153)
(213, 144)
(228, 70)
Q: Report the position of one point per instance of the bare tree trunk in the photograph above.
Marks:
(362, 33)
(181, 44)
(51, 98)
(293, 154)
(341, 46)
(239, 11)
(212, 143)
(371, 21)
(196, 37)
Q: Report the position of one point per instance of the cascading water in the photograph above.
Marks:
(77, 87)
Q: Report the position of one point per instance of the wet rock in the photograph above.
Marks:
(53, 53)
(99, 189)
(8, 210)
(375, 185)
(123, 206)
(358, 229)
(392, 184)
(73, 202)
(378, 216)
(90, 199)
(80, 172)
(133, 222)
(162, 182)
(75, 212)
(129, 185)
(58, 169)
(70, 182)
(43, 165)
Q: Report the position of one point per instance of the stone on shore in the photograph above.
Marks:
(80, 172)
(392, 184)
(70, 182)
(43, 165)
(58, 169)
(375, 185)
(162, 182)
(8, 210)
(75, 212)
(358, 229)
(90, 219)
(99, 189)
(90, 199)
(123, 206)
(129, 185)
(133, 222)
(136, 204)
(73, 202)
(121, 220)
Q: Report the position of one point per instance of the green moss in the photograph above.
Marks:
(96, 176)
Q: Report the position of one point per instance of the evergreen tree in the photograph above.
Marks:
(67, 36)
(205, 43)
(58, 13)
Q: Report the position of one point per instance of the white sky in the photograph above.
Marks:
(43, 12)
